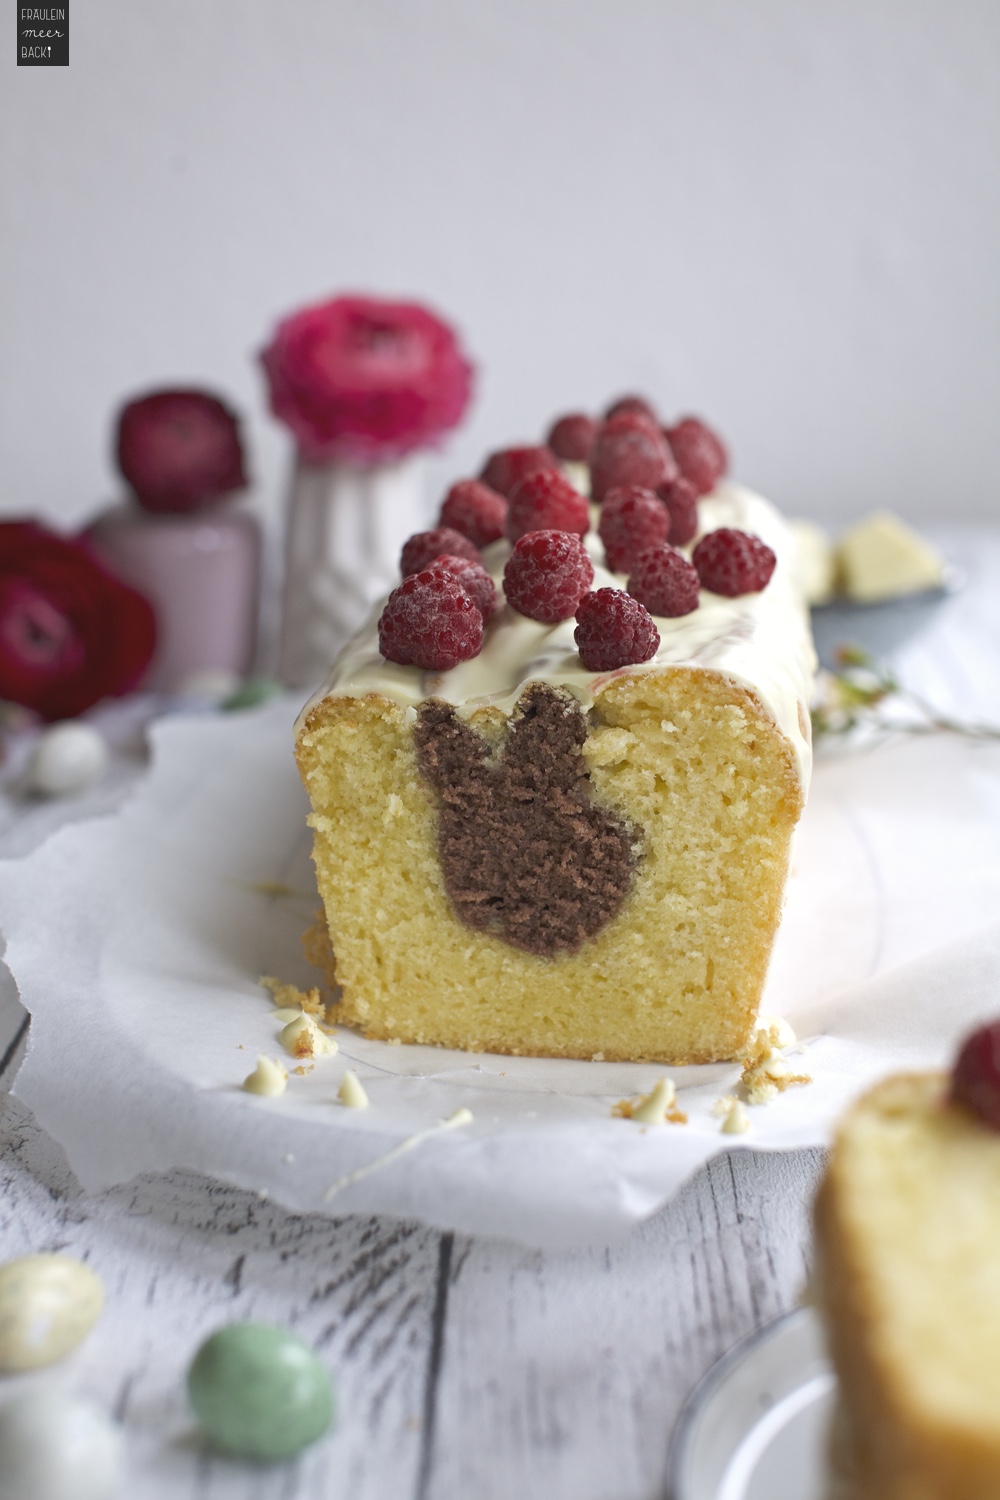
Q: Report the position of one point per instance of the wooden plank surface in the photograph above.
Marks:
(467, 1369)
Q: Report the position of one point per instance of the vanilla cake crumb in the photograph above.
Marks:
(290, 997)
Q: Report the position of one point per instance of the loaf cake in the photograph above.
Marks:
(526, 855)
(907, 1279)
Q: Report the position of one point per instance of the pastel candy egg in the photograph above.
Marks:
(48, 1305)
(54, 1446)
(67, 758)
(259, 1391)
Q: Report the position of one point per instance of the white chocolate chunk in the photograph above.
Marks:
(882, 558)
(287, 1013)
(303, 1038)
(736, 1120)
(351, 1091)
(269, 1078)
(779, 1032)
(652, 1108)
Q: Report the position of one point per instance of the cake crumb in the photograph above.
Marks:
(655, 1108)
(766, 1074)
(352, 1092)
(290, 997)
(597, 1057)
(268, 1079)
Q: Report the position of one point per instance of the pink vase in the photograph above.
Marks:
(201, 573)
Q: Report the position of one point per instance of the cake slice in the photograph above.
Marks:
(522, 855)
(907, 1227)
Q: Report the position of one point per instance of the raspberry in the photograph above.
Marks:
(546, 501)
(700, 453)
(681, 500)
(626, 404)
(975, 1080)
(733, 562)
(430, 622)
(424, 546)
(547, 575)
(614, 630)
(474, 579)
(504, 470)
(630, 450)
(664, 581)
(632, 519)
(475, 510)
(572, 437)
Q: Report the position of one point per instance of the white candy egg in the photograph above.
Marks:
(48, 1305)
(54, 1446)
(68, 758)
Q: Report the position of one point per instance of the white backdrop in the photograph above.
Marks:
(782, 214)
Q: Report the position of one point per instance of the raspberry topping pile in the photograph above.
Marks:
(547, 575)
(546, 501)
(665, 582)
(572, 437)
(430, 622)
(632, 404)
(630, 450)
(475, 510)
(424, 546)
(614, 630)
(701, 455)
(632, 519)
(474, 579)
(975, 1079)
(681, 500)
(732, 562)
(504, 470)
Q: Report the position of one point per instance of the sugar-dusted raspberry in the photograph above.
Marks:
(630, 450)
(430, 622)
(733, 562)
(975, 1079)
(664, 581)
(504, 470)
(700, 453)
(475, 510)
(424, 546)
(572, 437)
(546, 501)
(547, 575)
(632, 519)
(614, 630)
(681, 499)
(474, 579)
(629, 404)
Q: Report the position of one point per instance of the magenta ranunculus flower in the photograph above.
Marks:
(361, 379)
(71, 633)
(180, 450)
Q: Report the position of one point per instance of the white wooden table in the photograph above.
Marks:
(466, 1369)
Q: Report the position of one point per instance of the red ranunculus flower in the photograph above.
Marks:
(180, 450)
(366, 380)
(70, 632)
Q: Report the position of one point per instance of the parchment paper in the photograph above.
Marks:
(137, 940)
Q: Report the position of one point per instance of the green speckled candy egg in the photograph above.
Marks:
(259, 1391)
(48, 1305)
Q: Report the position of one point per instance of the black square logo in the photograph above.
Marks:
(43, 35)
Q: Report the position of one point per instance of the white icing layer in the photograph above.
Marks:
(761, 641)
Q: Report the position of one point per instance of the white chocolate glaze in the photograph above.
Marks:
(761, 641)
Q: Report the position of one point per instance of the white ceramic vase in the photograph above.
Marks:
(346, 525)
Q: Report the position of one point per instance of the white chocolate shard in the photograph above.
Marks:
(883, 558)
(652, 1108)
(269, 1078)
(303, 1038)
(352, 1092)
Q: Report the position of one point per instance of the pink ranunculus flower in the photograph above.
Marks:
(71, 633)
(180, 449)
(365, 380)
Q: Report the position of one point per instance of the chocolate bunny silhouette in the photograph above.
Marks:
(526, 854)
